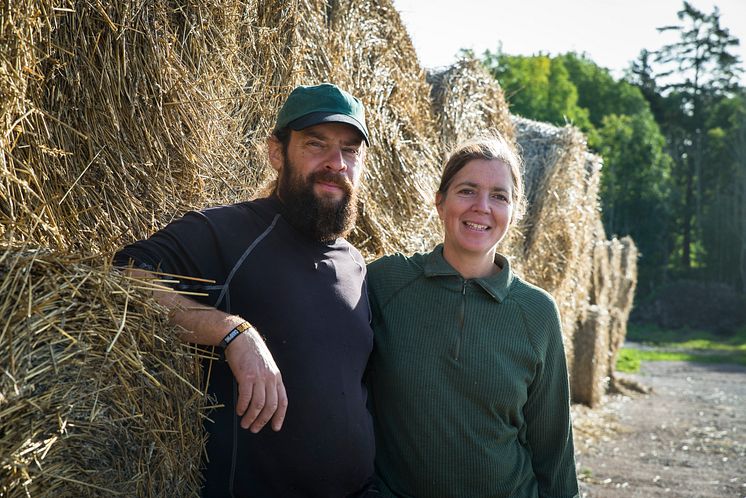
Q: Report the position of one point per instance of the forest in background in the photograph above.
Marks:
(672, 134)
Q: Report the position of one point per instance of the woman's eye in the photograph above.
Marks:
(500, 197)
(466, 191)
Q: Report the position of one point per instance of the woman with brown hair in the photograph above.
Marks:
(468, 378)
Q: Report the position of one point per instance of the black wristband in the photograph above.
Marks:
(235, 332)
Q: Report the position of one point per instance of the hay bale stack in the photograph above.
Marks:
(139, 111)
(467, 100)
(97, 395)
(562, 181)
(364, 48)
(622, 298)
(612, 289)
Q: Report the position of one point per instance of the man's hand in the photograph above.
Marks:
(261, 393)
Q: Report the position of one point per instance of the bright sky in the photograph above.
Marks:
(611, 32)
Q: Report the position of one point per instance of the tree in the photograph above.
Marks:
(537, 87)
(698, 69)
(617, 119)
(635, 188)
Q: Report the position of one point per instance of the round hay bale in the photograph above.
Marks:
(376, 61)
(467, 100)
(562, 182)
(138, 112)
(589, 379)
(97, 395)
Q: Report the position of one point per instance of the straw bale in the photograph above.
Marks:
(622, 298)
(562, 182)
(602, 281)
(97, 395)
(364, 48)
(137, 112)
(590, 370)
(467, 100)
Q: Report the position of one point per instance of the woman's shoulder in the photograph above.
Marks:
(533, 299)
(397, 263)
(389, 274)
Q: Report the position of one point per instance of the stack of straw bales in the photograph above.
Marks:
(96, 392)
(125, 114)
(562, 182)
(602, 325)
(117, 117)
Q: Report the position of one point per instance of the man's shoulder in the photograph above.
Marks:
(262, 208)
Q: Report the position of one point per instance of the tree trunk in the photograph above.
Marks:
(686, 255)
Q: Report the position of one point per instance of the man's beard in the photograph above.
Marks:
(321, 219)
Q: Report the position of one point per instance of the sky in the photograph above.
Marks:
(610, 32)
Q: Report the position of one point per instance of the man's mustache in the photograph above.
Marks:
(336, 178)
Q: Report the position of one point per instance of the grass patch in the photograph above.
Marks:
(681, 345)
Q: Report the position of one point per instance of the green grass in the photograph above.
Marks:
(681, 345)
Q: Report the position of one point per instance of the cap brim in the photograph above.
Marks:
(326, 117)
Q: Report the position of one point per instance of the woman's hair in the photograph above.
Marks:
(490, 146)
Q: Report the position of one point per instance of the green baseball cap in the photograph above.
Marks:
(325, 103)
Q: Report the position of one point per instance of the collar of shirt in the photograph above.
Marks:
(496, 285)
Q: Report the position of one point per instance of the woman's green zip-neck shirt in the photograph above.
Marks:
(468, 383)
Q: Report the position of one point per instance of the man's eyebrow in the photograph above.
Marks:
(315, 134)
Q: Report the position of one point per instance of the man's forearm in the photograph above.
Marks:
(201, 324)
(261, 393)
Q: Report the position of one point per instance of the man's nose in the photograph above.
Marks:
(335, 160)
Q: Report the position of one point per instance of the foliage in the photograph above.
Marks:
(538, 87)
(672, 135)
(704, 73)
(620, 126)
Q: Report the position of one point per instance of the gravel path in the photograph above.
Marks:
(685, 439)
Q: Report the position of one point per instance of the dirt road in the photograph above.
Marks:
(685, 439)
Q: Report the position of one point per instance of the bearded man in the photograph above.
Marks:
(288, 308)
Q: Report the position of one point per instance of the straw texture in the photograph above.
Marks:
(97, 395)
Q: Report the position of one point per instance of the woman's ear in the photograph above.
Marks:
(439, 204)
(276, 157)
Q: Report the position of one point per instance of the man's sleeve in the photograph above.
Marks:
(188, 248)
